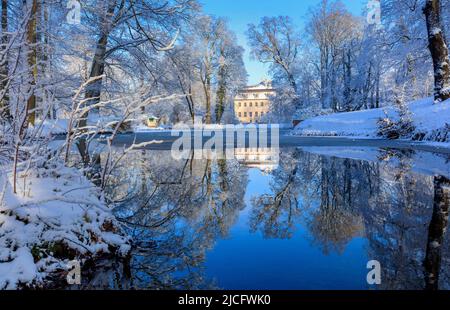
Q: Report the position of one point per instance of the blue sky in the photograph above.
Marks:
(242, 12)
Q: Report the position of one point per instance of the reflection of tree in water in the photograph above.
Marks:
(334, 222)
(436, 232)
(302, 182)
(176, 210)
(226, 189)
(384, 201)
(396, 220)
(276, 214)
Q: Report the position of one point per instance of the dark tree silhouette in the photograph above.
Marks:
(438, 49)
(436, 231)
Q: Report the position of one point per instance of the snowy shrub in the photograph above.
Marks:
(437, 135)
(401, 125)
(57, 216)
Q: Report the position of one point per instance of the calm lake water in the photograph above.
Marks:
(311, 222)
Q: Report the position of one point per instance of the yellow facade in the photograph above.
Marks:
(253, 102)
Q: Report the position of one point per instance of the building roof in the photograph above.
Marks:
(263, 86)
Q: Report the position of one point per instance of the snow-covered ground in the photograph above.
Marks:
(50, 127)
(59, 127)
(143, 128)
(428, 118)
(56, 216)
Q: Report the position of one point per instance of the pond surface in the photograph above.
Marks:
(312, 221)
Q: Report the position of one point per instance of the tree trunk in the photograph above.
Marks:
(4, 70)
(191, 105)
(297, 102)
(347, 69)
(323, 79)
(207, 90)
(220, 107)
(436, 232)
(46, 62)
(377, 91)
(93, 92)
(221, 95)
(367, 86)
(32, 61)
(438, 49)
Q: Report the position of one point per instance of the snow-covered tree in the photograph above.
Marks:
(276, 42)
(335, 33)
(207, 67)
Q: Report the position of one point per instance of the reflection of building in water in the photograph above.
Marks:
(264, 159)
(253, 102)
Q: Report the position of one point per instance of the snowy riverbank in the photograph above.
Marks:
(431, 122)
(56, 216)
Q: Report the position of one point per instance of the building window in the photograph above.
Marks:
(245, 104)
(240, 104)
(250, 114)
(256, 114)
(240, 114)
(256, 95)
(245, 114)
(262, 104)
(250, 104)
